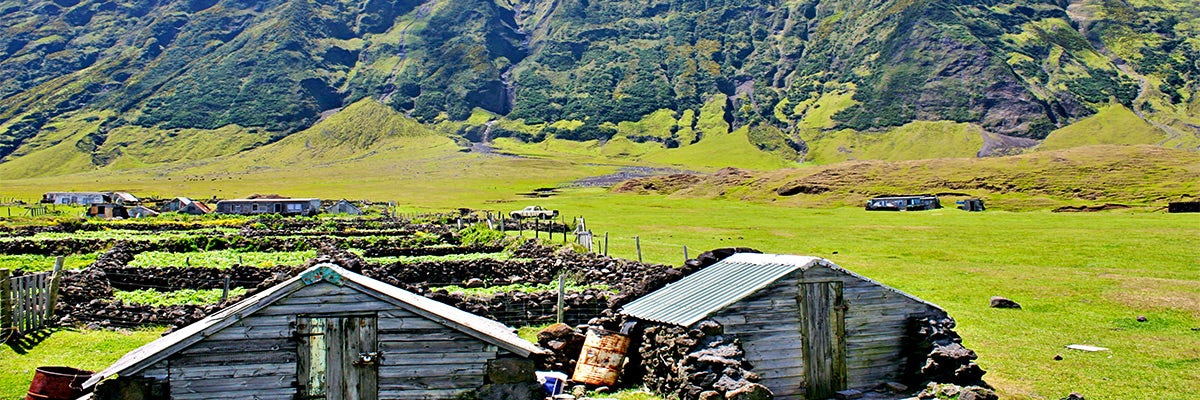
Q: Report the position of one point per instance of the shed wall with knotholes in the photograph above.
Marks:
(807, 326)
(327, 334)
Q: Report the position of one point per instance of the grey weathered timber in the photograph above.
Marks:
(6, 311)
(823, 344)
(807, 326)
(55, 281)
(26, 302)
(328, 334)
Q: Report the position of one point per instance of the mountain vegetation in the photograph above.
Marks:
(126, 83)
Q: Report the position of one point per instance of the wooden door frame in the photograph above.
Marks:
(335, 333)
(837, 330)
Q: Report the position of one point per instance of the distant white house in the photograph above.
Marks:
(81, 198)
(89, 198)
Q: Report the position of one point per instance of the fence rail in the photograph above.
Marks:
(27, 302)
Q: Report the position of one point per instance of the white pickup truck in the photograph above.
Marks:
(534, 212)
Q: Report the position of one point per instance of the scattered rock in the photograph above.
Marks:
(602, 390)
(1142, 318)
(473, 283)
(1073, 396)
(950, 391)
(977, 393)
(896, 387)
(848, 394)
(565, 343)
(939, 356)
(711, 395)
(579, 390)
(1001, 302)
(1058, 357)
(752, 391)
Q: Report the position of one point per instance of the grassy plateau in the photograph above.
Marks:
(1082, 279)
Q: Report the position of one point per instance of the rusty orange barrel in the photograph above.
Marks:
(57, 383)
(601, 358)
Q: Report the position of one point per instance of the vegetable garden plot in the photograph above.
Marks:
(192, 297)
(221, 258)
(39, 263)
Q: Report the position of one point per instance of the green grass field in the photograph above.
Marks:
(1082, 278)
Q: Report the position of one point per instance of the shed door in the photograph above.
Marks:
(822, 324)
(338, 358)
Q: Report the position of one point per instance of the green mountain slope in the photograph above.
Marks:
(802, 77)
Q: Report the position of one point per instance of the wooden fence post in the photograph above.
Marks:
(637, 241)
(606, 244)
(6, 311)
(225, 291)
(562, 292)
(685, 254)
(55, 281)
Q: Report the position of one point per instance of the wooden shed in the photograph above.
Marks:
(343, 207)
(904, 203)
(809, 327)
(184, 205)
(326, 334)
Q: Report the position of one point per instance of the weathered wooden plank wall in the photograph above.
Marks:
(258, 357)
(769, 324)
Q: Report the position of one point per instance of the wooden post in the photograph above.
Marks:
(225, 291)
(564, 224)
(502, 227)
(562, 292)
(537, 226)
(685, 254)
(637, 241)
(606, 244)
(6, 311)
(55, 281)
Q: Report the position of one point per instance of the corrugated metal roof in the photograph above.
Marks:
(711, 289)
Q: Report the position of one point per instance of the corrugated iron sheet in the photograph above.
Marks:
(711, 289)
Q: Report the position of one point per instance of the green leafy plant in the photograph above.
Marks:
(151, 297)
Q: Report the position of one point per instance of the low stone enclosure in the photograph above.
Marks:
(714, 356)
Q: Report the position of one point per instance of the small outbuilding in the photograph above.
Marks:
(141, 212)
(326, 334)
(124, 198)
(107, 211)
(270, 206)
(343, 207)
(808, 327)
(904, 203)
(1184, 207)
(184, 205)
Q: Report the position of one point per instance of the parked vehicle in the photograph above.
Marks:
(534, 212)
